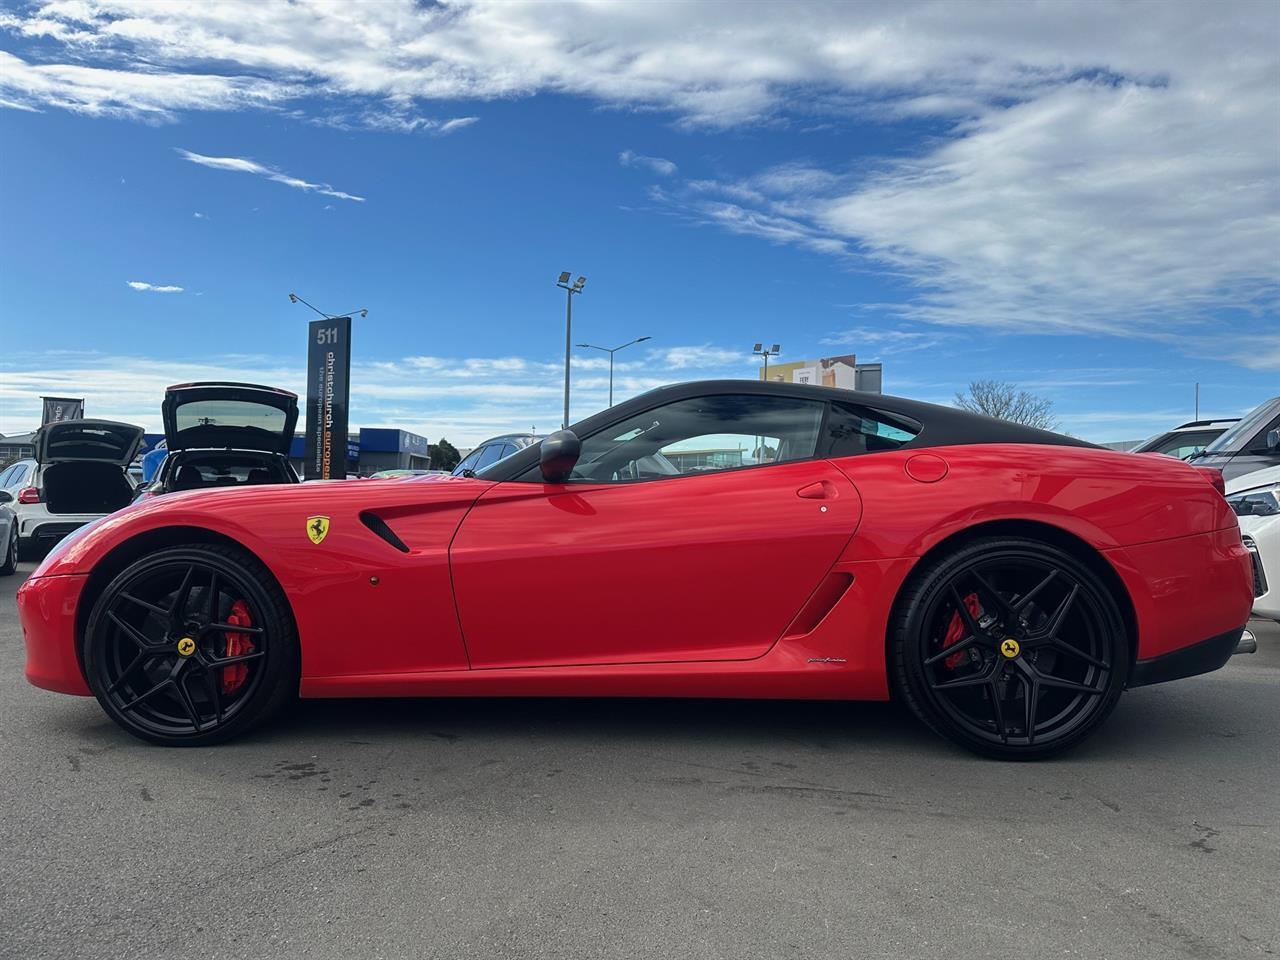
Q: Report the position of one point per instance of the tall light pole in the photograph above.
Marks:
(592, 346)
(570, 289)
(760, 351)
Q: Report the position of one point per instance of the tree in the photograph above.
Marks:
(1005, 401)
(444, 455)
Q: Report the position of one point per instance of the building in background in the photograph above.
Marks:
(843, 372)
(18, 446)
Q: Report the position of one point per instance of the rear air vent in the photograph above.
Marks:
(379, 526)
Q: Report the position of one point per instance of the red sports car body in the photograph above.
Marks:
(1008, 583)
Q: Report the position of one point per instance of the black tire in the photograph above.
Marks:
(954, 664)
(10, 565)
(174, 661)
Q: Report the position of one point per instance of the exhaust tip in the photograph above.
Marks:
(1248, 643)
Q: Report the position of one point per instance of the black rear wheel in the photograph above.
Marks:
(191, 645)
(1010, 647)
(10, 565)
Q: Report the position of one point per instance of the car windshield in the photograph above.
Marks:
(1243, 430)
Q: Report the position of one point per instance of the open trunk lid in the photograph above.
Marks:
(232, 416)
(101, 440)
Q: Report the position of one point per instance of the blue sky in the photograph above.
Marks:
(957, 191)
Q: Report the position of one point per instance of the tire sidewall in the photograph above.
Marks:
(279, 672)
(911, 640)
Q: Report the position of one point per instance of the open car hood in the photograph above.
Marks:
(234, 416)
(103, 440)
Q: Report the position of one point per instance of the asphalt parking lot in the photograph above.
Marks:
(634, 828)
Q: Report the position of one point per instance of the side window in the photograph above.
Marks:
(702, 435)
(1183, 445)
(20, 473)
(468, 462)
(4, 477)
(490, 454)
(855, 430)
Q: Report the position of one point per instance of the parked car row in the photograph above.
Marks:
(217, 434)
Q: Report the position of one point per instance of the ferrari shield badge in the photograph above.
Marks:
(1010, 648)
(317, 528)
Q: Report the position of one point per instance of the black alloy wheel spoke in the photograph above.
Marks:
(211, 601)
(234, 628)
(962, 608)
(132, 632)
(163, 611)
(177, 613)
(974, 680)
(218, 662)
(997, 709)
(138, 699)
(1021, 603)
(185, 698)
(999, 602)
(1072, 651)
(1060, 614)
(211, 683)
(1057, 684)
(124, 674)
(957, 647)
(1031, 696)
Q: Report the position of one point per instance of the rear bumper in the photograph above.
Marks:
(47, 612)
(46, 533)
(1203, 657)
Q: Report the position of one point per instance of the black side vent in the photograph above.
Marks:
(379, 526)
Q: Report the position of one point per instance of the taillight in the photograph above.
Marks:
(29, 495)
(1214, 476)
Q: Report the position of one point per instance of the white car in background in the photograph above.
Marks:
(8, 535)
(1255, 498)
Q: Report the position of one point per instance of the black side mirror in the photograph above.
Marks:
(558, 455)
(6, 496)
(1273, 439)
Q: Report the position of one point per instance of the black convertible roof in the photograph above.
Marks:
(939, 426)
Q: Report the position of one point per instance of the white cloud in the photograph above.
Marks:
(242, 165)
(153, 287)
(658, 165)
(713, 64)
(466, 399)
(200, 216)
(457, 123)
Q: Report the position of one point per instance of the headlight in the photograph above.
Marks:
(1262, 502)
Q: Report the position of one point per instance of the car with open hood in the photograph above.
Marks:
(224, 434)
(79, 473)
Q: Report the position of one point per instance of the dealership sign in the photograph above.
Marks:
(328, 392)
(60, 408)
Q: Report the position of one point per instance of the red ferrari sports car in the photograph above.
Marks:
(716, 539)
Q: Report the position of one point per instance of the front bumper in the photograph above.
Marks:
(47, 612)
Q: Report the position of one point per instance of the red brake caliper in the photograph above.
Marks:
(238, 644)
(956, 630)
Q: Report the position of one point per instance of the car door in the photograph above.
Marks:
(708, 558)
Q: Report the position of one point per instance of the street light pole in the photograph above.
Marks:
(611, 352)
(760, 351)
(570, 289)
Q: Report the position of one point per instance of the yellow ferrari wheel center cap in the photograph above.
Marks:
(1010, 647)
(186, 646)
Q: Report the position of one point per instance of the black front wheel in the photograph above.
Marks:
(1010, 647)
(191, 645)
